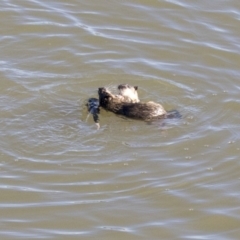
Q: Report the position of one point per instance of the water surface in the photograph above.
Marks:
(61, 178)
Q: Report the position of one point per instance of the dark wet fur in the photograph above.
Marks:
(148, 112)
(141, 111)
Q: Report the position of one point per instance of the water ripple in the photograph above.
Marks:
(61, 177)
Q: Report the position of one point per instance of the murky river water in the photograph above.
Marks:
(61, 178)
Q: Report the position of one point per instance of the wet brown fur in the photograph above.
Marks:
(127, 105)
(129, 93)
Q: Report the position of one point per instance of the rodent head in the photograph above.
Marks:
(104, 96)
(129, 92)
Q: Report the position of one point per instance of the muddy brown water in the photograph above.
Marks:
(63, 179)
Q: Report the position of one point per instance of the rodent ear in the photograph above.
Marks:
(136, 87)
(101, 90)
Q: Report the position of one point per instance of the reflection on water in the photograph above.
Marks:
(63, 178)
